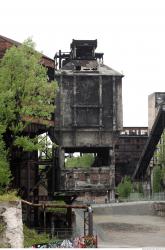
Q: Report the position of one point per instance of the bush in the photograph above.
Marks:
(125, 187)
(5, 173)
(9, 196)
(157, 179)
(31, 237)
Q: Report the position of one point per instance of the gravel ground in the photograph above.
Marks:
(130, 230)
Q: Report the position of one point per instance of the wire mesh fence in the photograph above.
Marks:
(144, 197)
(58, 233)
(64, 238)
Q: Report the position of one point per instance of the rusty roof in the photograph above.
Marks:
(8, 43)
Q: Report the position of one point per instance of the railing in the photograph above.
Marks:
(134, 131)
(58, 233)
(62, 238)
(144, 197)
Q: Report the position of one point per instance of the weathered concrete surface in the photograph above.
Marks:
(131, 208)
(11, 233)
(129, 225)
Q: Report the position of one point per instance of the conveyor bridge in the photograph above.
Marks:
(153, 139)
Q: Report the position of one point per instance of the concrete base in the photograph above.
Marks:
(11, 227)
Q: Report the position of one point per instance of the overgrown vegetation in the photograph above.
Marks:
(25, 94)
(5, 174)
(138, 187)
(31, 237)
(125, 187)
(158, 176)
(159, 169)
(84, 161)
(9, 196)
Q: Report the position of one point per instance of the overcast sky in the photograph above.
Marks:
(130, 33)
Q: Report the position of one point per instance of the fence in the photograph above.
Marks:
(143, 197)
(62, 238)
(58, 233)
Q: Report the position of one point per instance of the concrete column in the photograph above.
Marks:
(112, 176)
(58, 164)
(90, 221)
(61, 167)
(69, 217)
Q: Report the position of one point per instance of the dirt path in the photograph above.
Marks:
(130, 230)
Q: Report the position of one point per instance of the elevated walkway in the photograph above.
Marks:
(153, 139)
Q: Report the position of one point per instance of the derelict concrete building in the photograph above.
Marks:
(89, 110)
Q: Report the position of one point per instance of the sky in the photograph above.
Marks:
(130, 33)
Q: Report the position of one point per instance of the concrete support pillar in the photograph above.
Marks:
(58, 164)
(61, 158)
(112, 176)
(61, 166)
(69, 217)
(52, 226)
(90, 221)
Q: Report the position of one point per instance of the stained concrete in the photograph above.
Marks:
(11, 234)
(132, 224)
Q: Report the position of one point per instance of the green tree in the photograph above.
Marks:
(157, 179)
(5, 174)
(159, 169)
(125, 187)
(160, 153)
(25, 93)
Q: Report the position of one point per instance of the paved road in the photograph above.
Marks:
(126, 225)
(130, 230)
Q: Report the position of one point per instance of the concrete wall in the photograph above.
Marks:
(129, 208)
(88, 109)
(103, 176)
(11, 227)
(128, 149)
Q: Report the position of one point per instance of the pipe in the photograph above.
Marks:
(53, 205)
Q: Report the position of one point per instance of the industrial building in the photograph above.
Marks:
(88, 119)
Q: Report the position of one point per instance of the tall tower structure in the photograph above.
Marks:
(88, 107)
(155, 100)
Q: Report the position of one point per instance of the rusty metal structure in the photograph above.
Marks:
(88, 107)
(88, 214)
(156, 120)
(87, 119)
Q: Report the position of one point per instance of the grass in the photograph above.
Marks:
(9, 196)
(84, 161)
(31, 237)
